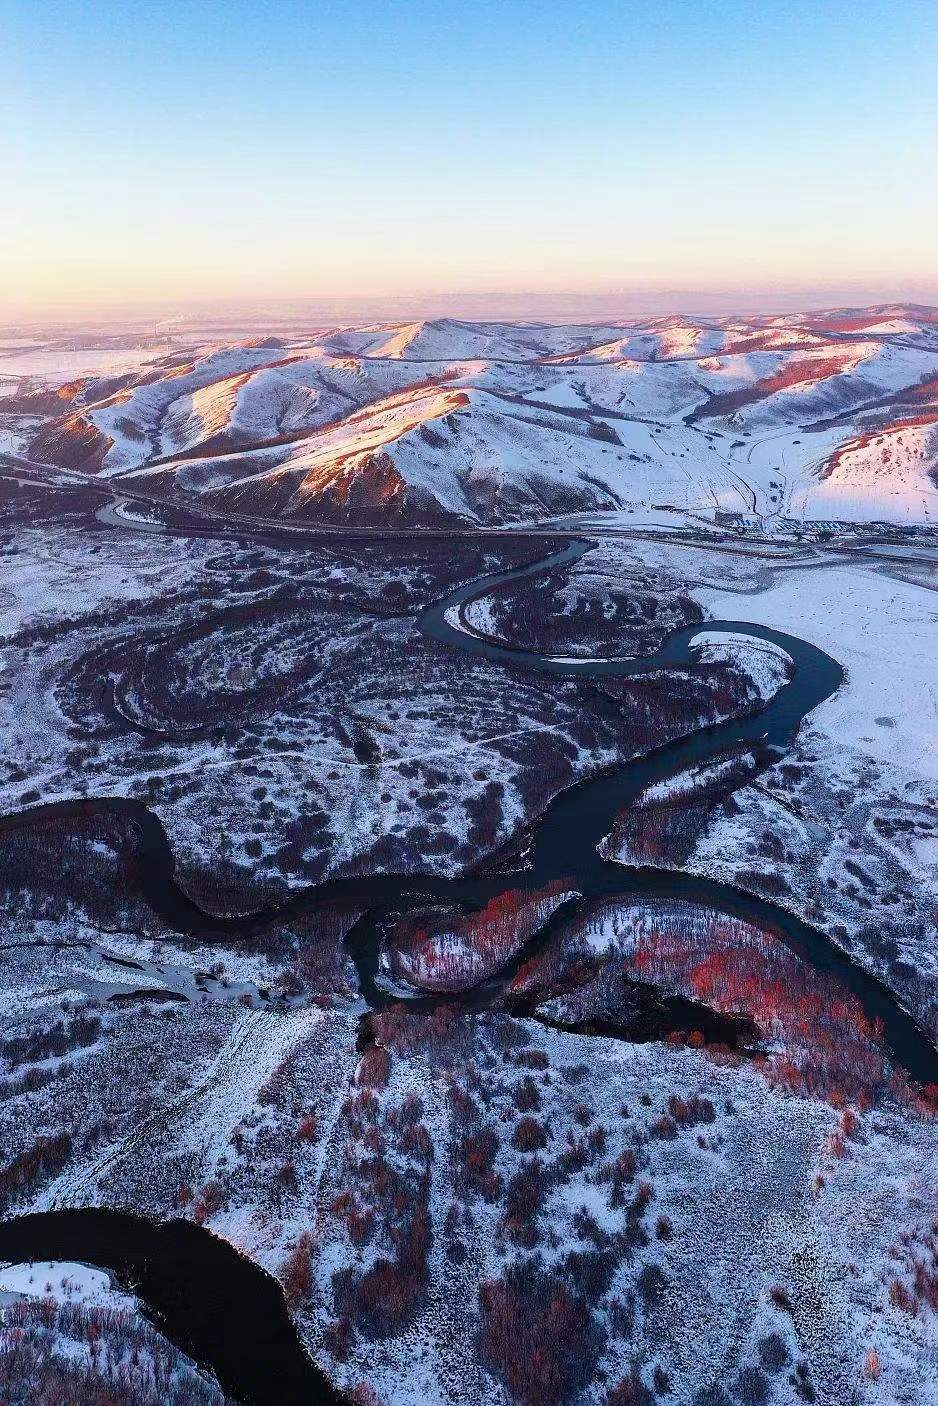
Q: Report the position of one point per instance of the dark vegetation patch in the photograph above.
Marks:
(586, 612)
(537, 1335)
(37, 1164)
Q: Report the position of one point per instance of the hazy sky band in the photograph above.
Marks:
(193, 151)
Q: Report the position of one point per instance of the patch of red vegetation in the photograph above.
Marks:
(209, 1202)
(923, 419)
(915, 1286)
(828, 1046)
(43, 1160)
(769, 340)
(668, 703)
(406, 1031)
(385, 1200)
(530, 1135)
(373, 1068)
(925, 392)
(537, 1335)
(296, 1274)
(630, 1391)
(74, 443)
(359, 480)
(858, 319)
(453, 953)
(476, 1153)
(793, 373)
(383, 1301)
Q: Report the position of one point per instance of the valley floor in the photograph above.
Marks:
(281, 956)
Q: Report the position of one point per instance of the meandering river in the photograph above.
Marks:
(215, 1304)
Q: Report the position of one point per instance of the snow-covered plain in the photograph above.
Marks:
(62, 1280)
(884, 631)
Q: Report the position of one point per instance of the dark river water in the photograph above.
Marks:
(212, 1302)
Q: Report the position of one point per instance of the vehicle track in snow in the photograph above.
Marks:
(242, 1049)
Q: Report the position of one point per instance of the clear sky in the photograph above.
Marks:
(181, 151)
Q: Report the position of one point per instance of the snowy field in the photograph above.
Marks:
(884, 632)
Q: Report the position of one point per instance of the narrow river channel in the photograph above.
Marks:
(215, 1304)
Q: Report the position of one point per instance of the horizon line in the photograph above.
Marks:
(501, 305)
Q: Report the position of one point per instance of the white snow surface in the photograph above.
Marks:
(506, 422)
(767, 664)
(65, 1281)
(884, 631)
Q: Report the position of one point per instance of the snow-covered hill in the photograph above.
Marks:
(816, 416)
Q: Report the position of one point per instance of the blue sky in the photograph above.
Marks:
(185, 151)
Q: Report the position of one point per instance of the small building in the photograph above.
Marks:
(753, 521)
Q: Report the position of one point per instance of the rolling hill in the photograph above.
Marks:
(829, 415)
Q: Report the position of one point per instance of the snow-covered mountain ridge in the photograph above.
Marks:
(817, 416)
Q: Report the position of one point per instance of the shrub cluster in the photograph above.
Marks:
(44, 1159)
(536, 1334)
